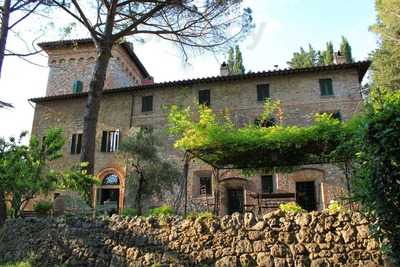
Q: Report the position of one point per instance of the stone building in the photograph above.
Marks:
(132, 99)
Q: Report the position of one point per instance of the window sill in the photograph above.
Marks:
(327, 96)
(147, 112)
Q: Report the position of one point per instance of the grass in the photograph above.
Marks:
(17, 264)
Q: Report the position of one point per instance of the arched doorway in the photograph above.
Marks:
(110, 192)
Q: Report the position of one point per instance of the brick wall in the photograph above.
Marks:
(67, 65)
(299, 93)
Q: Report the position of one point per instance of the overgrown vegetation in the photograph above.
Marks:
(291, 207)
(200, 216)
(219, 142)
(147, 171)
(43, 207)
(162, 211)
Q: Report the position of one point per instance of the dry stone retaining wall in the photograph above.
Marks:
(276, 239)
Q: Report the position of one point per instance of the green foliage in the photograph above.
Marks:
(24, 171)
(148, 172)
(200, 216)
(328, 54)
(43, 207)
(221, 143)
(129, 212)
(291, 207)
(345, 50)
(312, 57)
(386, 59)
(17, 264)
(376, 183)
(78, 180)
(235, 61)
(335, 207)
(162, 211)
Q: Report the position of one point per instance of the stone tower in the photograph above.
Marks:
(71, 64)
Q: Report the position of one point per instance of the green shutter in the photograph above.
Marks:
(77, 87)
(326, 87)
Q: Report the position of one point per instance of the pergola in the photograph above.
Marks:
(261, 157)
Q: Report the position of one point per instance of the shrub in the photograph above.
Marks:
(201, 216)
(161, 211)
(335, 207)
(291, 207)
(43, 207)
(129, 212)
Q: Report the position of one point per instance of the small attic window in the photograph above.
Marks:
(77, 87)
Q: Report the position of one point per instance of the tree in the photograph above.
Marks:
(328, 54)
(148, 172)
(376, 183)
(190, 24)
(304, 59)
(235, 61)
(12, 13)
(345, 50)
(24, 171)
(386, 59)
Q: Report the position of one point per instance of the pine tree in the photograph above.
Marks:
(386, 59)
(345, 49)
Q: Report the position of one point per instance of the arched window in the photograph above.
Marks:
(111, 179)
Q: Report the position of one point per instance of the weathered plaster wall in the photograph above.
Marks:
(276, 239)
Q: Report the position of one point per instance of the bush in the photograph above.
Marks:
(43, 207)
(201, 216)
(291, 207)
(129, 212)
(335, 207)
(161, 211)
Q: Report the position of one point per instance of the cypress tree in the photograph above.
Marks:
(238, 67)
(231, 59)
(345, 49)
(328, 54)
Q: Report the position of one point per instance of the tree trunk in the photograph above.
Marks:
(138, 200)
(93, 105)
(4, 30)
(3, 209)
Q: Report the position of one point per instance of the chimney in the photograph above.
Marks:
(224, 71)
(148, 80)
(338, 58)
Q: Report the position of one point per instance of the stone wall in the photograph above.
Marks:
(276, 239)
(299, 94)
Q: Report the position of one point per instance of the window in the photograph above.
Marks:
(111, 179)
(110, 141)
(325, 85)
(204, 97)
(76, 143)
(262, 92)
(77, 87)
(147, 103)
(205, 185)
(267, 185)
(265, 123)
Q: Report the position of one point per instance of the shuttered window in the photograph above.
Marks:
(110, 141)
(76, 143)
(262, 92)
(325, 86)
(205, 185)
(147, 103)
(204, 97)
(267, 184)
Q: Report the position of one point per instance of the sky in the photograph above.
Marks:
(282, 27)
